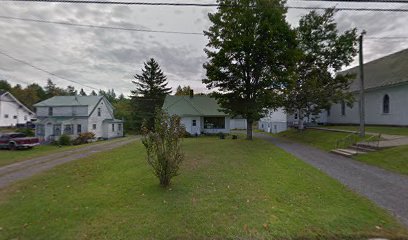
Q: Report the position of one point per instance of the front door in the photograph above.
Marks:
(194, 127)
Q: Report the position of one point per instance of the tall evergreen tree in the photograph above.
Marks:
(151, 89)
(183, 91)
(250, 54)
(93, 93)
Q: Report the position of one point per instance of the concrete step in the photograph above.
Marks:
(343, 153)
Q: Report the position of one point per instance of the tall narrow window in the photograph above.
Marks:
(99, 112)
(113, 127)
(343, 108)
(79, 128)
(386, 104)
(50, 111)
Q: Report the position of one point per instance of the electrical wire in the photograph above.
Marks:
(43, 70)
(171, 4)
(98, 26)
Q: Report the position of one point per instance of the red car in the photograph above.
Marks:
(14, 141)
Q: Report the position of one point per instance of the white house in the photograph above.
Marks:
(275, 121)
(12, 111)
(199, 114)
(386, 93)
(238, 123)
(73, 115)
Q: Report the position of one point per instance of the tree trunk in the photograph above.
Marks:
(249, 129)
(301, 126)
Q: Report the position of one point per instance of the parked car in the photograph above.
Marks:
(14, 141)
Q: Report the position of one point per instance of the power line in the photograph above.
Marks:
(357, 1)
(98, 26)
(43, 70)
(200, 5)
(150, 31)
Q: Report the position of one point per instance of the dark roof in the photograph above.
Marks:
(70, 101)
(385, 71)
(192, 106)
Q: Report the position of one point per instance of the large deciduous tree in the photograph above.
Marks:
(151, 89)
(249, 56)
(322, 51)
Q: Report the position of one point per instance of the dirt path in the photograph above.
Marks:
(388, 190)
(24, 169)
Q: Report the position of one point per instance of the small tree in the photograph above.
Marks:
(322, 52)
(163, 146)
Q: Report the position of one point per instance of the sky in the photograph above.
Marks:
(108, 59)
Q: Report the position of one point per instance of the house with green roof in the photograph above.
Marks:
(199, 114)
(72, 115)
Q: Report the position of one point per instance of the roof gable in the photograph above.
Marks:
(4, 93)
(192, 106)
(386, 71)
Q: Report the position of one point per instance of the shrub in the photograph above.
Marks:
(234, 137)
(64, 140)
(163, 146)
(27, 131)
(84, 138)
(221, 135)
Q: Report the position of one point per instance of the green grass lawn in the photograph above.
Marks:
(9, 157)
(228, 189)
(376, 129)
(325, 140)
(393, 159)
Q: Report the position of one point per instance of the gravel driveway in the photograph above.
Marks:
(386, 189)
(25, 169)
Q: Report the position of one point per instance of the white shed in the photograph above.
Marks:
(274, 122)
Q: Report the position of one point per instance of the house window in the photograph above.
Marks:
(69, 129)
(296, 116)
(120, 126)
(39, 130)
(343, 108)
(94, 126)
(386, 104)
(15, 117)
(25, 118)
(6, 115)
(50, 111)
(79, 128)
(113, 127)
(194, 123)
(99, 112)
(214, 122)
(57, 130)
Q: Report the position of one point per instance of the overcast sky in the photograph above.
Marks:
(106, 59)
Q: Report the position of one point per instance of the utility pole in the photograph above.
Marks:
(362, 97)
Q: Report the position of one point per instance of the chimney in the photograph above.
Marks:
(191, 93)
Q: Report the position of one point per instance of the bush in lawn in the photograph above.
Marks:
(27, 131)
(84, 138)
(163, 146)
(64, 140)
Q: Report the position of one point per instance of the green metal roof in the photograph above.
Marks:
(69, 101)
(192, 106)
(386, 71)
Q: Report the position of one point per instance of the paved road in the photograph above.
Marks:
(25, 169)
(388, 190)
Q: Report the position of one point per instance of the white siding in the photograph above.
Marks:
(374, 108)
(15, 112)
(109, 132)
(65, 111)
(98, 120)
(272, 127)
(238, 123)
(199, 128)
